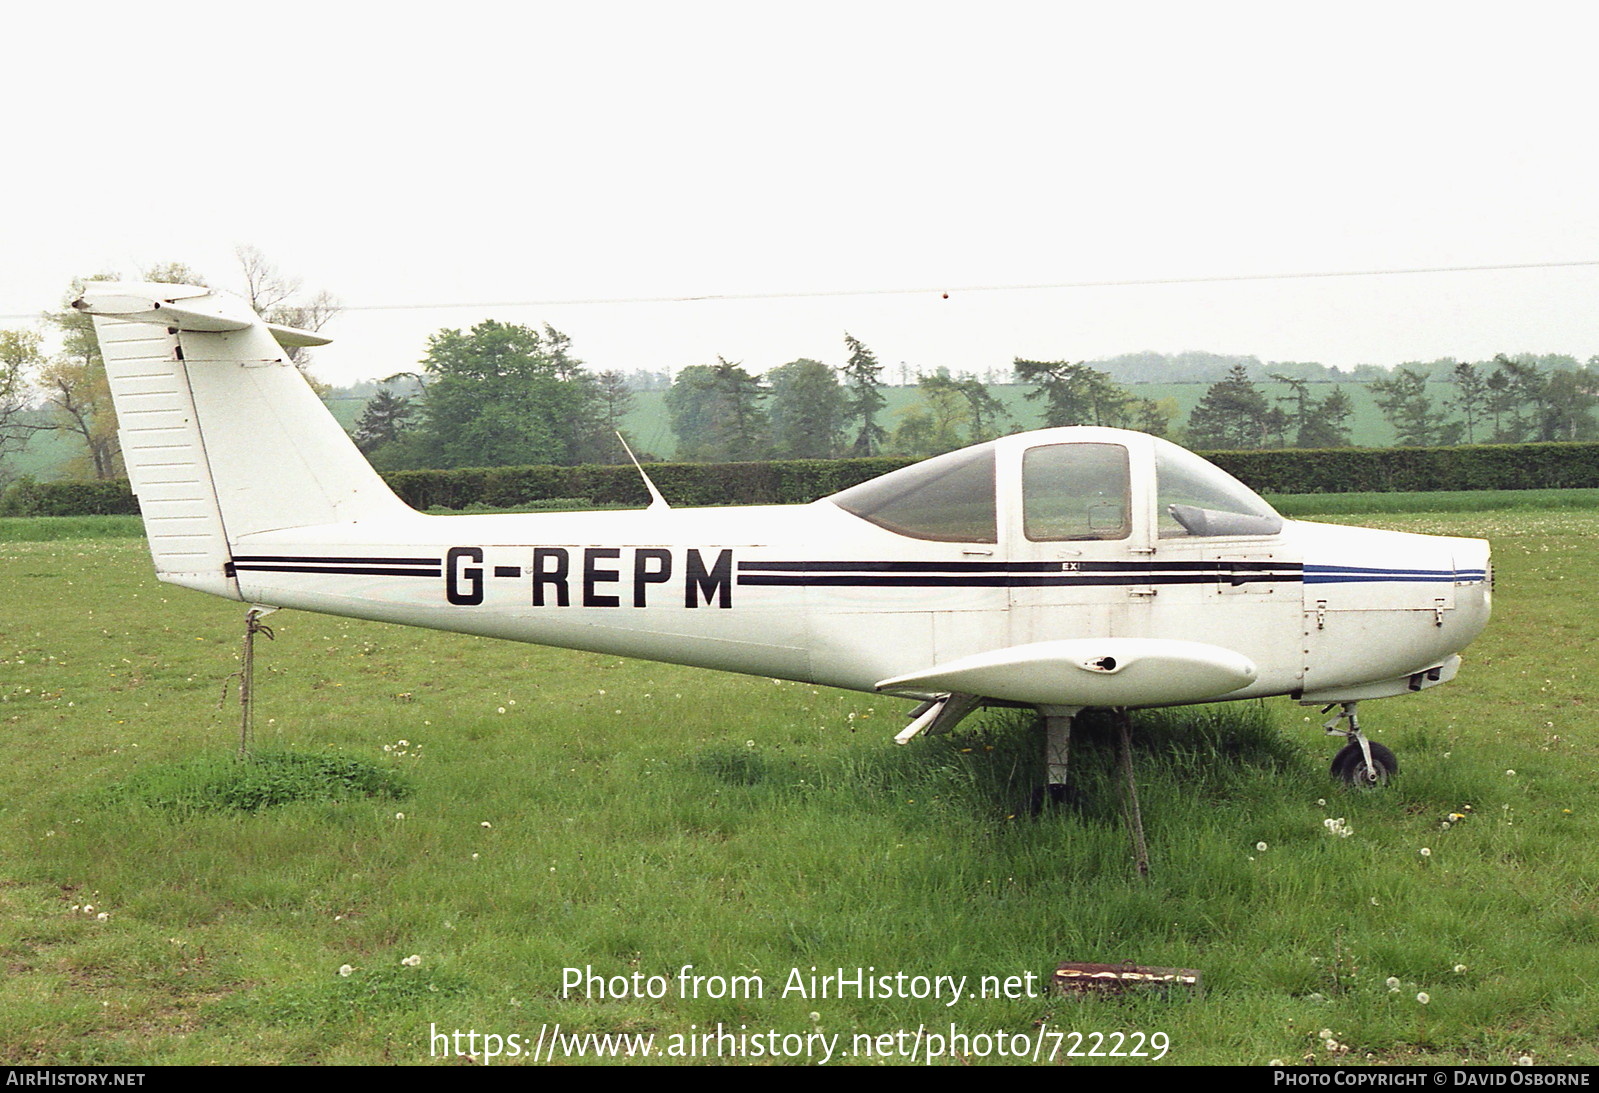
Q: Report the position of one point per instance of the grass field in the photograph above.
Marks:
(565, 810)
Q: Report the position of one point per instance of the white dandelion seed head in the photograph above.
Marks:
(412, 961)
(1525, 1060)
(1510, 774)
(345, 970)
(485, 823)
(1424, 998)
(1260, 846)
(1393, 982)
(102, 916)
(1459, 968)
(1426, 851)
(399, 815)
(1325, 1034)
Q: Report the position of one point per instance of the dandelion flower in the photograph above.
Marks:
(1260, 847)
(1510, 774)
(1325, 1034)
(1393, 982)
(412, 961)
(485, 823)
(1459, 969)
(815, 1017)
(88, 908)
(1424, 998)
(1525, 1060)
(399, 815)
(345, 970)
(1426, 851)
(102, 916)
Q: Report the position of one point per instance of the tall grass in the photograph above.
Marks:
(622, 816)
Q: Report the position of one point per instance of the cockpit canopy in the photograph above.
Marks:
(1069, 489)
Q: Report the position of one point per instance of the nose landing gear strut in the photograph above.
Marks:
(1360, 762)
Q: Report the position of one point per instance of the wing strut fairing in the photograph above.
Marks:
(1088, 672)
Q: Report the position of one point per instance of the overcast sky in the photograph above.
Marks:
(416, 157)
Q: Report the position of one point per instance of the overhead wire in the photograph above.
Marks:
(947, 290)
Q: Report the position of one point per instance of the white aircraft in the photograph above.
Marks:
(1060, 569)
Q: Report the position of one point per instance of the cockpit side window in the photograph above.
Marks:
(949, 498)
(1196, 498)
(1075, 491)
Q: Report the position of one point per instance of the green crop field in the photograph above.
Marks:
(50, 455)
(487, 837)
(650, 427)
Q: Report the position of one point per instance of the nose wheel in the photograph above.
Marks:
(1360, 762)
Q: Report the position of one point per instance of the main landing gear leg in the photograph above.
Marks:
(1360, 762)
(1057, 754)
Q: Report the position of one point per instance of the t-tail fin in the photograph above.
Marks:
(221, 435)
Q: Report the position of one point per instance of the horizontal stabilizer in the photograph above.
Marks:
(182, 307)
(1089, 672)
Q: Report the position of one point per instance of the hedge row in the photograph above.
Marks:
(1397, 470)
(110, 497)
(1338, 470)
(781, 482)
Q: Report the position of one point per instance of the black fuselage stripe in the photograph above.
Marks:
(314, 559)
(355, 570)
(934, 580)
(1015, 567)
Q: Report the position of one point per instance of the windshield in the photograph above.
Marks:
(1198, 498)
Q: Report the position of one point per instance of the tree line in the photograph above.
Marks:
(502, 394)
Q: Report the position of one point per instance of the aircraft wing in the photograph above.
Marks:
(1088, 672)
